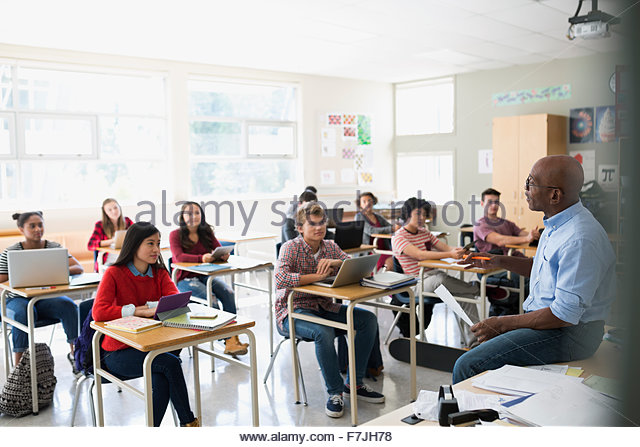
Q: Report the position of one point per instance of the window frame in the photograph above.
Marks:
(426, 83)
(437, 153)
(12, 155)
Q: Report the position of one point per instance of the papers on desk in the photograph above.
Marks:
(426, 405)
(446, 297)
(241, 262)
(208, 268)
(453, 261)
(520, 381)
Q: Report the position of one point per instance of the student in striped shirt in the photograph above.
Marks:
(306, 259)
(414, 243)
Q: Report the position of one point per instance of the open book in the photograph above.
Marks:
(133, 324)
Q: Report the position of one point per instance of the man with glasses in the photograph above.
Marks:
(491, 234)
(304, 260)
(572, 279)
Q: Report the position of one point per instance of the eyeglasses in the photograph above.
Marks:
(528, 183)
(317, 224)
(494, 202)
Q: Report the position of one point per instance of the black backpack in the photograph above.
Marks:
(83, 346)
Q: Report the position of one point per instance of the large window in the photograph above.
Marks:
(429, 176)
(425, 107)
(70, 136)
(242, 138)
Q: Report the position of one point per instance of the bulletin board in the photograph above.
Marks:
(346, 149)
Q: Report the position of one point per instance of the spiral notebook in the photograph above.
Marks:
(204, 318)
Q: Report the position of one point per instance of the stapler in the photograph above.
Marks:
(447, 404)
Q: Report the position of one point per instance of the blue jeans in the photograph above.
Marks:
(523, 347)
(197, 285)
(167, 380)
(61, 308)
(366, 326)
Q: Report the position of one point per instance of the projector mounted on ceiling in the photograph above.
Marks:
(593, 25)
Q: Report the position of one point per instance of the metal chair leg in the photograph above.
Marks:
(304, 389)
(76, 397)
(393, 325)
(273, 360)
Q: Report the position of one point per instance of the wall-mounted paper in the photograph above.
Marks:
(328, 148)
(450, 301)
(347, 175)
(588, 161)
(485, 161)
(608, 177)
(328, 177)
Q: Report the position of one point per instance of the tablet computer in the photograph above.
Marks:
(219, 252)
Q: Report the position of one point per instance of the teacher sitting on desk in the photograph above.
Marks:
(307, 259)
(194, 241)
(133, 286)
(572, 281)
(31, 225)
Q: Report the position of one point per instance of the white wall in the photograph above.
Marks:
(318, 95)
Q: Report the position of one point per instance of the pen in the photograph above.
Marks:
(40, 288)
(481, 257)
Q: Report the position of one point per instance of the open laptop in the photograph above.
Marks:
(351, 271)
(38, 267)
(118, 239)
(349, 234)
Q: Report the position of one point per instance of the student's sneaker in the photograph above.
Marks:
(72, 360)
(366, 393)
(335, 406)
(497, 294)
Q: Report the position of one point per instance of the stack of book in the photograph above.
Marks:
(388, 280)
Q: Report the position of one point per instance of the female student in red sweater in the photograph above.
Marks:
(105, 229)
(133, 286)
(193, 242)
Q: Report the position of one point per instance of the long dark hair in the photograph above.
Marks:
(107, 225)
(205, 232)
(137, 233)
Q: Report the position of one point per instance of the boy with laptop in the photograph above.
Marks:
(307, 259)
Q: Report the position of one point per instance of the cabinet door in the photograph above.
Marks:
(533, 146)
(505, 156)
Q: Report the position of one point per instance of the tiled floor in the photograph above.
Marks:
(226, 392)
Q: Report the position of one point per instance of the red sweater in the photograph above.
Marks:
(120, 287)
(178, 254)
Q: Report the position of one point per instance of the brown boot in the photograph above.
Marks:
(233, 346)
(194, 423)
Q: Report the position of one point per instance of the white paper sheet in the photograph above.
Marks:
(450, 301)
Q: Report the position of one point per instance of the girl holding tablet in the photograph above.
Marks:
(194, 241)
(105, 229)
(31, 225)
(133, 286)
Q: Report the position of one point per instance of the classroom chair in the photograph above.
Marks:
(39, 323)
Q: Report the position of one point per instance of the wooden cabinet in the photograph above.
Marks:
(518, 142)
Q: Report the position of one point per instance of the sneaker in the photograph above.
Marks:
(72, 360)
(335, 406)
(366, 393)
(497, 294)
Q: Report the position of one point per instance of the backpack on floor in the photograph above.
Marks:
(15, 399)
(84, 347)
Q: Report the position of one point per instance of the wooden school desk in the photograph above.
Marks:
(527, 249)
(241, 241)
(34, 295)
(252, 265)
(352, 294)
(362, 249)
(165, 339)
(602, 363)
(484, 274)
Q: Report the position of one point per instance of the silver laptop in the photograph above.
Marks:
(351, 271)
(118, 239)
(38, 267)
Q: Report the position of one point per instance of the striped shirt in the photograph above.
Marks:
(296, 259)
(422, 240)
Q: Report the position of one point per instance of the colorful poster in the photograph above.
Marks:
(334, 119)
(588, 161)
(348, 153)
(364, 129)
(349, 133)
(349, 120)
(581, 125)
(532, 95)
(605, 124)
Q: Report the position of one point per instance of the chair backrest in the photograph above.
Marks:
(278, 246)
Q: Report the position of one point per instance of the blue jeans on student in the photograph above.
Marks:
(167, 380)
(523, 347)
(366, 326)
(61, 308)
(197, 285)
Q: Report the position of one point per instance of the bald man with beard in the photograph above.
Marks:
(572, 281)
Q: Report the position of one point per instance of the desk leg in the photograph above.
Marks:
(32, 356)
(270, 287)
(98, 379)
(294, 351)
(352, 364)
(421, 307)
(148, 388)
(254, 379)
(412, 345)
(483, 297)
(210, 301)
(196, 382)
(5, 336)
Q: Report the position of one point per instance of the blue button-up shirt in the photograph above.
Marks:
(573, 271)
(135, 271)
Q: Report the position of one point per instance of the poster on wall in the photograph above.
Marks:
(605, 124)
(364, 129)
(608, 177)
(485, 161)
(328, 143)
(588, 161)
(334, 119)
(347, 175)
(581, 125)
(328, 177)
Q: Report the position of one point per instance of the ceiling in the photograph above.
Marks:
(378, 40)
